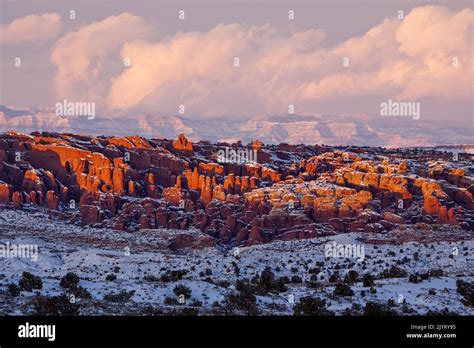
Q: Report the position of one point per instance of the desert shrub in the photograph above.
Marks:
(296, 279)
(444, 311)
(402, 261)
(13, 290)
(351, 277)
(195, 303)
(279, 307)
(438, 272)
(419, 277)
(415, 278)
(80, 292)
(378, 309)
(111, 277)
(334, 278)
(313, 285)
(406, 309)
(55, 305)
(239, 302)
(394, 272)
(150, 310)
(242, 302)
(267, 283)
(150, 278)
(122, 296)
(236, 269)
(223, 283)
(186, 311)
(368, 280)
(182, 290)
(466, 290)
(28, 282)
(173, 275)
(170, 301)
(309, 305)
(342, 289)
(355, 309)
(70, 280)
(209, 280)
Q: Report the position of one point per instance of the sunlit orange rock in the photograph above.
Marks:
(17, 199)
(5, 193)
(395, 183)
(51, 200)
(182, 143)
(430, 205)
(91, 214)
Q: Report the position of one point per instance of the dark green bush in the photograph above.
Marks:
(309, 305)
(70, 280)
(28, 282)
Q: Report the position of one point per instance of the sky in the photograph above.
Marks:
(239, 58)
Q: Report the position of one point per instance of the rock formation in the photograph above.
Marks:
(292, 192)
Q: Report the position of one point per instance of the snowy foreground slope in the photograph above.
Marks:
(140, 273)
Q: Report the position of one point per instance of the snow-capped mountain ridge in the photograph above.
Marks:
(294, 129)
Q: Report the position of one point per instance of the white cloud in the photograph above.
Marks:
(407, 59)
(31, 28)
(86, 58)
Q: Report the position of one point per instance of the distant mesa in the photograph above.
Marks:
(359, 130)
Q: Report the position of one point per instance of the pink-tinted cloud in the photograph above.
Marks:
(405, 59)
(85, 59)
(31, 28)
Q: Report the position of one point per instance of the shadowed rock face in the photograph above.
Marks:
(291, 192)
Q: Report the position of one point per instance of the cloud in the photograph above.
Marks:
(197, 69)
(31, 28)
(442, 36)
(85, 59)
(406, 60)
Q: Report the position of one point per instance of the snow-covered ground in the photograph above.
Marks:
(139, 260)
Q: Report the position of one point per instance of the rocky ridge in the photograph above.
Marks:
(290, 192)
